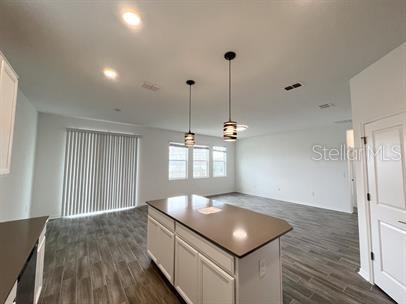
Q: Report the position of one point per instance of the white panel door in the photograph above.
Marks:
(153, 241)
(216, 286)
(386, 168)
(8, 97)
(186, 271)
(165, 252)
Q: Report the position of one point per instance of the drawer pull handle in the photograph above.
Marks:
(402, 222)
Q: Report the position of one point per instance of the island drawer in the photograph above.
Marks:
(162, 218)
(213, 252)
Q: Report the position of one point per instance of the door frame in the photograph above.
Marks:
(351, 168)
(365, 189)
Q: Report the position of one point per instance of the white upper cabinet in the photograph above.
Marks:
(8, 97)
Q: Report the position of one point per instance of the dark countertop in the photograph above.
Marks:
(17, 239)
(238, 231)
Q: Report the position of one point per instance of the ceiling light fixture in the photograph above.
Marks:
(230, 126)
(131, 18)
(189, 136)
(241, 128)
(110, 73)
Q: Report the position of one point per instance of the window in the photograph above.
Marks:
(178, 158)
(201, 158)
(219, 161)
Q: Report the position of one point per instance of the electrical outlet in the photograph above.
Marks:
(262, 268)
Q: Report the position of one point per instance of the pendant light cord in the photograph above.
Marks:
(190, 107)
(229, 90)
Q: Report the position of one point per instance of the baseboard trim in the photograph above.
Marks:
(296, 202)
(364, 274)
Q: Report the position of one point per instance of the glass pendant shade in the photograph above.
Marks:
(190, 139)
(230, 131)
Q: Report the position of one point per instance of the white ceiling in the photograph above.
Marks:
(59, 48)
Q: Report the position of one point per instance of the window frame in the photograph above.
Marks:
(223, 150)
(208, 161)
(174, 144)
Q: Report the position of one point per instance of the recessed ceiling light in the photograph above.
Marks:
(241, 128)
(110, 73)
(131, 18)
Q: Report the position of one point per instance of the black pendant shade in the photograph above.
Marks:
(230, 126)
(189, 136)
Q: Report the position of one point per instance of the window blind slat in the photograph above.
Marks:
(100, 172)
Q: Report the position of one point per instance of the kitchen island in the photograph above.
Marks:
(22, 260)
(216, 253)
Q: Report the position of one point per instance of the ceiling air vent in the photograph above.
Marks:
(345, 121)
(294, 86)
(326, 106)
(150, 86)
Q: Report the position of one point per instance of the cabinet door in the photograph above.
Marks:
(165, 252)
(216, 286)
(187, 271)
(8, 95)
(13, 294)
(153, 241)
(39, 271)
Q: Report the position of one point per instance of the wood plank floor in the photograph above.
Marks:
(103, 259)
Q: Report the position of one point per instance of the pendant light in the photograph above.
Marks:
(230, 126)
(189, 136)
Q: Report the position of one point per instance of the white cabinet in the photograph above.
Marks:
(39, 271)
(216, 286)
(161, 247)
(8, 97)
(166, 252)
(12, 296)
(153, 239)
(186, 271)
(198, 280)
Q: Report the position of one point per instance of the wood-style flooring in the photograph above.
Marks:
(103, 259)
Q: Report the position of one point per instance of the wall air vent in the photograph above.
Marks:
(150, 86)
(345, 121)
(294, 86)
(326, 106)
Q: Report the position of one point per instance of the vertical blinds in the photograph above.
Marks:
(100, 172)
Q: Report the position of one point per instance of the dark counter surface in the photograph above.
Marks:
(238, 231)
(17, 239)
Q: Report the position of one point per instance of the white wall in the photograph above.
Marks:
(377, 92)
(153, 163)
(15, 188)
(280, 166)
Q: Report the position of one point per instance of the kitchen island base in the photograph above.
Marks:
(203, 272)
